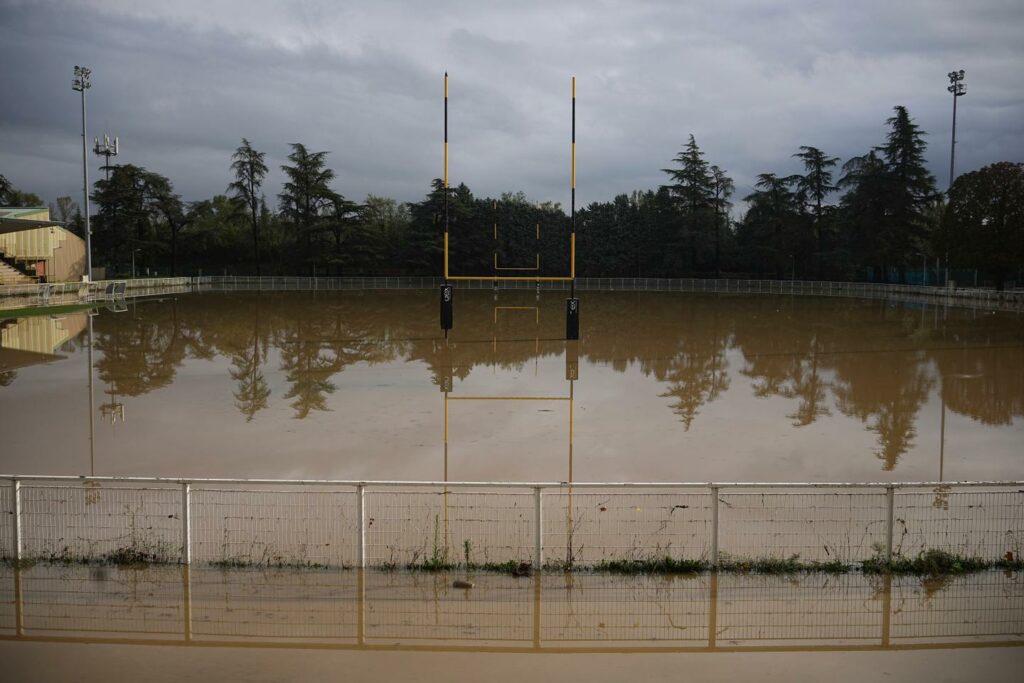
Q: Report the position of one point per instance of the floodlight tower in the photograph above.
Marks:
(105, 148)
(81, 84)
(958, 89)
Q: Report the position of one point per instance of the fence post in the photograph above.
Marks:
(714, 527)
(16, 522)
(360, 521)
(538, 530)
(889, 499)
(186, 524)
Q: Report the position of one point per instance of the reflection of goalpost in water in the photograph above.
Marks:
(571, 375)
(572, 306)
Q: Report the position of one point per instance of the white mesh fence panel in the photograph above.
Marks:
(587, 527)
(91, 521)
(274, 527)
(6, 521)
(433, 527)
(848, 525)
(970, 523)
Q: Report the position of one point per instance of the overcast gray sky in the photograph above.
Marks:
(181, 81)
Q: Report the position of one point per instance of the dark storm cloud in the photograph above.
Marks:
(182, 82)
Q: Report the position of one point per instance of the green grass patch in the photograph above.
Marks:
(653, 565)
(936, 563)
(32, 311)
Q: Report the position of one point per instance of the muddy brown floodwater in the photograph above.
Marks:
(272, 625)
(363, 385)
(670, 387)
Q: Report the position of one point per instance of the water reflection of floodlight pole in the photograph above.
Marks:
(942, 437)
(958, 89)
(81, 84)
(105, 148)
(92, 405)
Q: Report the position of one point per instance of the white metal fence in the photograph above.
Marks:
(437, 524)
(71, 293)
(970, 297)
(19, 296)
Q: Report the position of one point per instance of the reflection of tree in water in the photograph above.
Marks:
(679, 340)
(983, 378)
(780, 340)
(986, 385)
(886, 382)
(253, 393)
(322, 339)
(141, 351)
(807, 385)
(868, 354)
(309, 368)
(697, 374)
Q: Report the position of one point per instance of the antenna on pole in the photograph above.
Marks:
(105, 148)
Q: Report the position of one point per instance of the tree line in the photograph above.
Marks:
(878, 216)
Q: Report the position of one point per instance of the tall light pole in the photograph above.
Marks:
(81, 84)
(105, 148)
(958, 89)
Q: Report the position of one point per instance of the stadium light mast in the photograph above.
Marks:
(958, 89)
(105, 148)
(81, 84)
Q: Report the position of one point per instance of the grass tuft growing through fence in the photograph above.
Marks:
(928, 563)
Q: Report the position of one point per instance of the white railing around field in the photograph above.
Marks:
(75, 293)
(971, 297)
(21, 296)
(238, 522)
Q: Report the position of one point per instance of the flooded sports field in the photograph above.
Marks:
(359, 386)
(660, 387)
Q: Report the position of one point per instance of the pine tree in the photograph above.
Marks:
(307, 195)
(250, 170)
(813, 187)
(692, 188)
(911, 188)
(722, 188)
